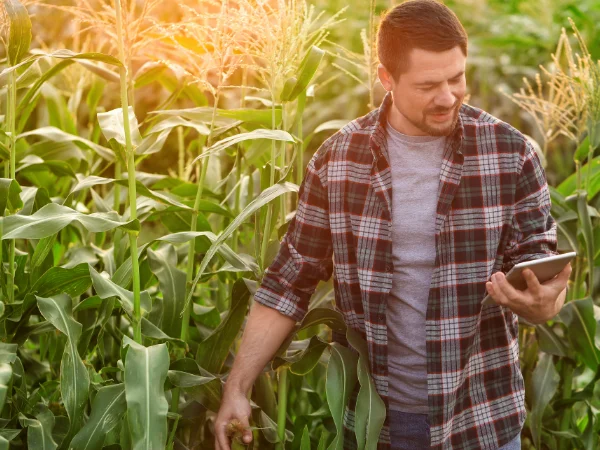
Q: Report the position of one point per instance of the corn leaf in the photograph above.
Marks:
(274, 135)
(544, 384)
(9, 196)
(58, 280)
(19, 35)
(578, 316)
(56, 135)
(206, 390)
(112, 126)
(106, 288)
(308, 68)
(172, 283)
(5, 377)
(52, 218)
(262, 199)
(340, 381)
(212, 352)
(145, 374)
(305, 443)
(108, 408)
(92, 180)
(204, 114)
(39, 430)
(370, 409)
(74, 378)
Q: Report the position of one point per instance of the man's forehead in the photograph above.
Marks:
(435, 65)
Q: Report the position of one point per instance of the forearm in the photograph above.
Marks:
(266, 329)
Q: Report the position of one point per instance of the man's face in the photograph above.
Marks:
(428, 95)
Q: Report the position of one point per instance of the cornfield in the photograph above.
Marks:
(151, 156)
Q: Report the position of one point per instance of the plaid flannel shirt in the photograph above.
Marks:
(493, 211)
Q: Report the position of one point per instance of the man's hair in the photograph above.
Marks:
(424, 24)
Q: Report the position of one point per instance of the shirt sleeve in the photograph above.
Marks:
(532, 233)
(305, 254)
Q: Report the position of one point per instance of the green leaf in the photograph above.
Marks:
(340, 381)
(8, 353)
(204, 114)
(262, 199)
(545, 381)
(145, 374)
(304, 361)
(74, 378)
(5, 377)
(67, 54)
(52, 218)
(92, 180)
(305, 443)
(213, 351)
(585, 224)
(108, 408)
(57, 280)
(56, 135)
(568, 186)
(19, 34)
(308, 68)
(39, 432)
(581, 153)
(550, 342)
(9, 196)
(206, 390)
(274, 135)
(106, 288)
(172, 282)
(578, 316)
(370, 408)
(323, 316)
(112, 126)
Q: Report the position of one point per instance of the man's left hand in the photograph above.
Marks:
(538, 303)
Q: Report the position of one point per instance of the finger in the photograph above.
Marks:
(222, 440)
(560, 281)
(505, 293)
(247, 435)
(533, 284)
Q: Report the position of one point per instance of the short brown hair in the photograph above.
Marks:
(424, 24)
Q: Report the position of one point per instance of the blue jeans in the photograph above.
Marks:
(411, 432)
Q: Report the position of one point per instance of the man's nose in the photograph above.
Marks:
(445, 98)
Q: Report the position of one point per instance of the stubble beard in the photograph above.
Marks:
(439, 130)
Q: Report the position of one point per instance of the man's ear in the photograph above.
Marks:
(384, 77)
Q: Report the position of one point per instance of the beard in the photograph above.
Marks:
(429, 127)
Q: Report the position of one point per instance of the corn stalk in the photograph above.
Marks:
(137, 317)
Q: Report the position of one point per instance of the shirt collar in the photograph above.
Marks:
(378, 143)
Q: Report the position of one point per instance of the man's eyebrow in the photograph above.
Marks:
(433, 83)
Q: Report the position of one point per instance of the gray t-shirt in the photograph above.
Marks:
(415, 163)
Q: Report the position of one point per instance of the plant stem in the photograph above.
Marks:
(567, 376)
(194, 225)
(299, 133)
(11, 121)
(181, 153)
(267, 235)
(281, 407)
(137, 316)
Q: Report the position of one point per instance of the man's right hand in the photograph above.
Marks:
(234, 406)
(265, 331)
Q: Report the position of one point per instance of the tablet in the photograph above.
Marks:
(544, 269)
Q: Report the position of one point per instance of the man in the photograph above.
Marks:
(423, 203)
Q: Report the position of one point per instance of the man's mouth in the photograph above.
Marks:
(442, 116)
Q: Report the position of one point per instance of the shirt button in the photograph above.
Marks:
(388, 268)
